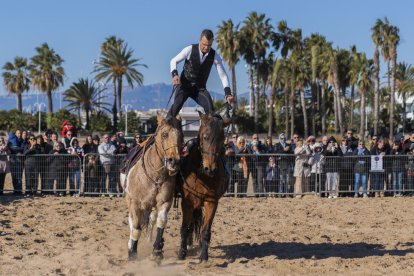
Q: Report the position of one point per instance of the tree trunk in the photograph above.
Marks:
(19, 102)
(120, 97)
(251, 90)
(362, 124)
(49, 109)
(87, 126)
(234, 89)
(79, 116)
(270, 112)
(335, 111)
(314, 95)
(323, 107)
(114, 111)
(351, 123)
(338, 98)
(376, 90)
(256, 100)
(305, 116)
(393, 71)
(291, 108)
(286, 95)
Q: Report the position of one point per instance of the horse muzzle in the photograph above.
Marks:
(172, 165)
(209, 171)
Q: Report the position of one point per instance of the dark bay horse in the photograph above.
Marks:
(149, 185)
(202, 182)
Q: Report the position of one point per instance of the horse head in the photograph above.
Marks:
(169, 140)
(211, 139)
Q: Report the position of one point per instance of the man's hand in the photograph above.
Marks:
(230, 99)
(176, 80)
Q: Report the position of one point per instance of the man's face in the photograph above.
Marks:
(349, 133)
(54, 137)
(325, 140)
(205, 44)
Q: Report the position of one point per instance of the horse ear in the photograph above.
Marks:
(202, 116)
(160, 119)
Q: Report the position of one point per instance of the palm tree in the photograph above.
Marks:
(393, 40)
(84, 95)
(229, 47)
(115, 63)
(47, 74)
(405, 85)
(257, 30)
(377, 38)
(364, 84)
(287, 40)
(15, 78)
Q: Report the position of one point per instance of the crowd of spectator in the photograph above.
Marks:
(52, 165)
(47, 164)
(327, 167)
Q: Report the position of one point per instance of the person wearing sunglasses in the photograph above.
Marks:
(286, 162)
(361, 168)
(31, 163)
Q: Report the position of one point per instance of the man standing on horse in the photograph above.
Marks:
(199, 58)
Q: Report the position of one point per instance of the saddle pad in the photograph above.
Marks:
(135, 154)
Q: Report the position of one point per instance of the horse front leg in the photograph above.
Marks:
(162, 218)
(135, 229)
(210, 209)
(186, 228)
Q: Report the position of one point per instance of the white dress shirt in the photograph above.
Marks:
(218, 62)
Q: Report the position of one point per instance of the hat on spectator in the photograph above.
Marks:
(331, 139)
(95, 137)
(318, 145)
(121, 140)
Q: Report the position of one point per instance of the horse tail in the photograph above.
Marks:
(198, 222)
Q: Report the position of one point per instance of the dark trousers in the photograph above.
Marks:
(2, 178)
(200, 96)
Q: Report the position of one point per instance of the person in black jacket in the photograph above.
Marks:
(31, 152)
(333, 162)
(286, 161)
(378, 177)
(361, 168)
(58, 167)
(43, 164)
(398, 167)
(199, 58)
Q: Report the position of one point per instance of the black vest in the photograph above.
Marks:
(195, 74)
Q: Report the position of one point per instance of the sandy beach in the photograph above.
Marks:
(251, 236)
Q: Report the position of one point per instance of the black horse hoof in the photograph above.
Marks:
(157, 256)
(182, 254)
(132, 256)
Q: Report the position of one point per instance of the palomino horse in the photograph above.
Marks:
(150, 184)
(202, 182)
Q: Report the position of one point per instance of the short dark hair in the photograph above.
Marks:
(207, 34)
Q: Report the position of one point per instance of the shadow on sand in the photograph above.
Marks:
(295, 250)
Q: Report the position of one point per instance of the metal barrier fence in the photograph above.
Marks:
(101, 174)
(48, 173)
(326, 176)
(250, 174)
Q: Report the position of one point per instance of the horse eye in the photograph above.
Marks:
(164, 135)
(205, 137)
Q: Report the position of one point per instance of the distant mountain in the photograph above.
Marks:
(153, 96)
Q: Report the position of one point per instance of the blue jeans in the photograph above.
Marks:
(397, 178)
(363, 177)
(74, 176)
(284, 181)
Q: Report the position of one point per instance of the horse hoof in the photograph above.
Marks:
(132, 256)
(182, 254)
(157, 257)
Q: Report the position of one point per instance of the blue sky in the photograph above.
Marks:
(157, 30)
